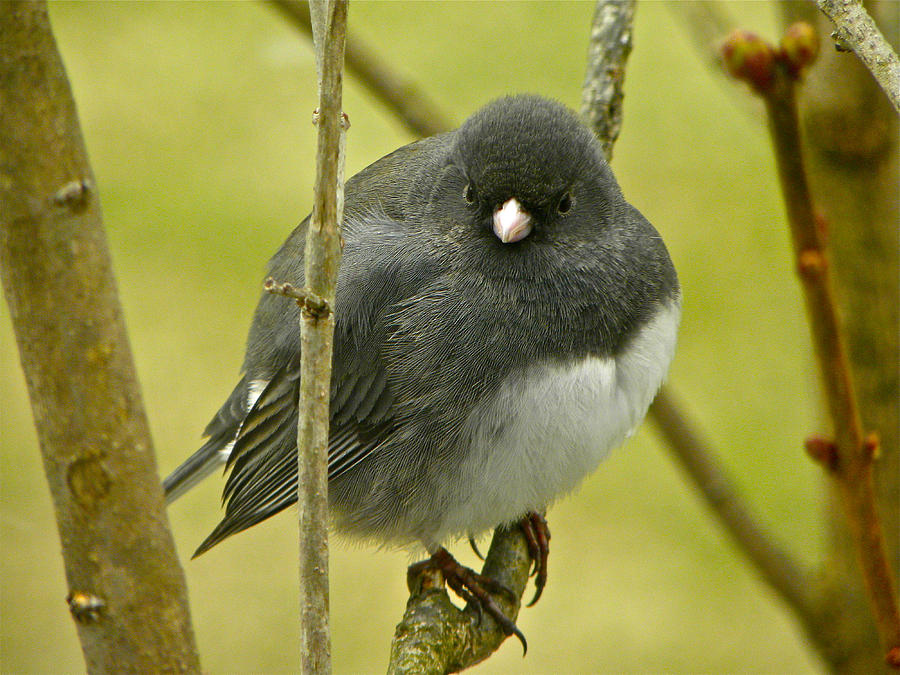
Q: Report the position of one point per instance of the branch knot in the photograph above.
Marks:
(311, 304)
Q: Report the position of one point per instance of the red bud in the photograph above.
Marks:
(748, 57)
(823, 450)
(799, 46)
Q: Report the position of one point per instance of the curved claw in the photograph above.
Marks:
(537, 535)
(475, 548)
(475, 589)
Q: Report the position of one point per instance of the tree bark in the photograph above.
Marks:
(127, 590)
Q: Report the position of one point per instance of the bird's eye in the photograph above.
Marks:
(469, 194)
(565, 203)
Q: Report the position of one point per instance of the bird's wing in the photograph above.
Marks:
(263, 460)
(256, 428)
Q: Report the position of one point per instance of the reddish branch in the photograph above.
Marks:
(773, 74)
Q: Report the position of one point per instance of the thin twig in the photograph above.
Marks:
(855, 29)
(401, 95)
(306, 299)
(322, 259)
(854, 455)
(773, 73)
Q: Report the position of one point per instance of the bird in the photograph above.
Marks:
(503, 320)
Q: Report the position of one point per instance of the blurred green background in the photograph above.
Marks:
(196, 118)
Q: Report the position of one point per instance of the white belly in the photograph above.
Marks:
(548, 428)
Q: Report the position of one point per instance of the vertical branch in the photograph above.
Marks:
(850, 132)
(323, 254)
(603, 90)
(126, 588)
(851, 456)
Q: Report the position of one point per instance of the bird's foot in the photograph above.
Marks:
(472, 587)
(537, 534)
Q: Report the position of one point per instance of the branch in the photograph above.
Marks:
(126, 587)
(773, 74)
(608, 50)
(400, 95)
(855, 29)
(322, 259)
(780, 570)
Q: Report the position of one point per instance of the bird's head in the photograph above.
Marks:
(526, 169)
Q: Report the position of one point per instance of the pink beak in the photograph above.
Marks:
(511, 222)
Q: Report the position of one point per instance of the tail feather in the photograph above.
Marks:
(197, 467)
(221, 432)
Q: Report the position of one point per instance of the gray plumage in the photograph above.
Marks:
(473, 380)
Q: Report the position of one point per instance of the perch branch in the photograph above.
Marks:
(399, 94)
(434, 636)
(322, 259)
(855, 29)
(773, 74)
(126, 588)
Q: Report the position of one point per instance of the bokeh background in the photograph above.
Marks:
(197, 121)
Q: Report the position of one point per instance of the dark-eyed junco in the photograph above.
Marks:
(503, 320)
